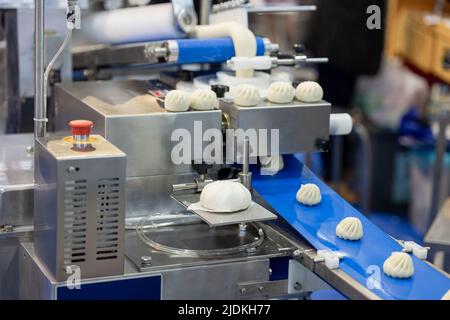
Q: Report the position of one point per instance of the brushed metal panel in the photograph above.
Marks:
(134, 121)
(300, 125)
(16, 180)
(214, 282)
(54, 235)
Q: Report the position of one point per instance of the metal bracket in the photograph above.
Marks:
(262, 290)
(302, 280)
(185, 14)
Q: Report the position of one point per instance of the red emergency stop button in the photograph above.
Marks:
(81, 130)
(81, 127)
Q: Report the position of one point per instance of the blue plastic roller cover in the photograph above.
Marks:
(363, 260)
(210, 50)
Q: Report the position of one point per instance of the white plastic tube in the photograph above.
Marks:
(341, 124)
(243, 39)
(256, 63)
(128, 25)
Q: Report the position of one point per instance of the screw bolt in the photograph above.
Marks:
(298, 286)
(71, 170)
(146, 260)
(323, 145)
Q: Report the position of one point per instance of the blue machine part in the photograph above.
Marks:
(139, 288)
(363, 260)
(210, 50)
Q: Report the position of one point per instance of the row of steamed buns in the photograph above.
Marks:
(245, 95)
(399, 265)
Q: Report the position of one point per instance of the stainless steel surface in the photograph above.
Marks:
(262, 289)
(438, 235)
(136, 248)
(443, 120)
(35, 282)
(303, 280)
(254, 213)
(79, 216)
(220, 277)
(40, 119)
(16, 207)
(301, 125)
(246, 176)
(152, 195)
(134, 121)
(16, 180)
(218, 282)
(198, 239)
(9, 268)
(205, 11)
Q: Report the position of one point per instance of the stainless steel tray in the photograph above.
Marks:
(254, 213)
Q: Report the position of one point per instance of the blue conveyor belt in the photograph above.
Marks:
(317, 225)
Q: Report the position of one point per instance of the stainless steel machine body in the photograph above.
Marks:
(303, 127)
(136, 122)
(76, 225)
(80, 208)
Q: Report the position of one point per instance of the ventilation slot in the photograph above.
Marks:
(75, 213)
(108, 206)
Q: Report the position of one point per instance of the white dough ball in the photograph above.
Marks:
(246, 95)
(225, 196)
(271, 165)
(281, 92)
(350, 228)
(446, 296)
(177, 101)
(309, 195)
(204, 99)
(399, 265)
(309, 91)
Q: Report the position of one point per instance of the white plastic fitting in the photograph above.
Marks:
(416, 249)
(341, 124)
(256, 63)
(331, 258)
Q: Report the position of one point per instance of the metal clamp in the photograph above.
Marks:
(185, 14)
(331, 258)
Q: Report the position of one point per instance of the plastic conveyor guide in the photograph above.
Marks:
(363, 260)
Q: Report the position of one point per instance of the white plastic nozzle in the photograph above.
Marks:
(416, 249)
(330, 258)
(341, 124)
(255, 63)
